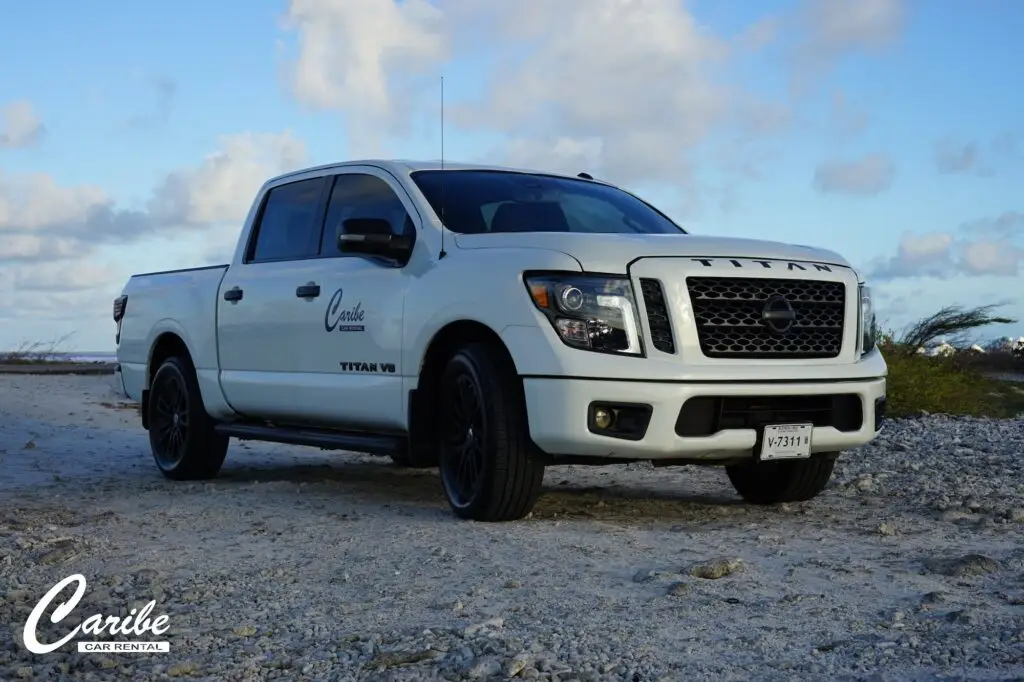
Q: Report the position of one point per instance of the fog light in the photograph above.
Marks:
(619, 420)
(603, 418)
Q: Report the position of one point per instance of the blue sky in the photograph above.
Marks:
(928, 138)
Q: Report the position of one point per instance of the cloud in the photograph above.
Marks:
(41, 220)
(828, 30)
(20, 126)
(959, 156)
(834, 27)
(868, 176)
(990, 247)
(59, 277)
(951, 157)
(221, 188)
(1008, 225)
(631, 89)
(52, 237)
(357, 56)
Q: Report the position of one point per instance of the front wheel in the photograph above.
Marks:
(796, 480)
(181, 436)
(486, 457)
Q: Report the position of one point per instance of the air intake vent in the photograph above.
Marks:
(657, 315)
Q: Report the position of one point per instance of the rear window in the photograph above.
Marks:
(481, 201)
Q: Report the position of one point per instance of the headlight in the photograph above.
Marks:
(589, 312)
(867, 320)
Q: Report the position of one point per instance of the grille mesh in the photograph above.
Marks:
(657, 315)
(728, 310)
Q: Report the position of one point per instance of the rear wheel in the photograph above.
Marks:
(181, 436)
(486, 458)
(782, 481)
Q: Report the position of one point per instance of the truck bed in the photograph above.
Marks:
(180, 301)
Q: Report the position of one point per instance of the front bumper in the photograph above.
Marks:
(561, 421)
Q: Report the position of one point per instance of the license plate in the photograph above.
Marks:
(786, 441)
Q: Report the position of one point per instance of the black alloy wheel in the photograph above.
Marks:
(489, 467)
(168, 422)
(465, 429)
(182, 438)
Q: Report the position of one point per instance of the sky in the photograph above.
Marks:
(133, 135)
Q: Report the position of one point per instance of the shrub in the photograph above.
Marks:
(950, 384)
(919, 382)
(33, 353)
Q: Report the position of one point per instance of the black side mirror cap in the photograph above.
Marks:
(373, 237)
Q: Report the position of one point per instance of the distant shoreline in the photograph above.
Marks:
(59, 367)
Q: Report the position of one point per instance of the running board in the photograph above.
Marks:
(372, 444)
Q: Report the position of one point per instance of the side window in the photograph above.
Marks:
(357, 195)
(286, 226)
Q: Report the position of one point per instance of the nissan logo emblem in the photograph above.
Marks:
(778, 314)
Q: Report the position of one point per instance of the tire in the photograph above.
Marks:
(486, 458)
(181, 436)
(784, 481)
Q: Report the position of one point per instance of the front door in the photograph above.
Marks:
(351, 360)
(258, 312)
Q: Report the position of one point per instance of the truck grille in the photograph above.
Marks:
(657, 315)
(734, 317)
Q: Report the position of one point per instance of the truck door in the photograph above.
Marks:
(351, 333)
(258, 313)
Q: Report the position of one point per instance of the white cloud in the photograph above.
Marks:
(989, 247)
(42, 220)
(221, 188)
(51, 235)
(827, 30)
(20, 126)
(837, 26)
(356, 56)
(867, 176)
(80, 275)
(916, 256)
(629, 87)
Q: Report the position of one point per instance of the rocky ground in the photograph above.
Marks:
(301, 564)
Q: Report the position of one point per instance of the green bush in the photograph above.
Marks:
(919, 382)
(956, 384)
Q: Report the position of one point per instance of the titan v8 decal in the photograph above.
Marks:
(789, 265)
(343, 320)
(369, 367)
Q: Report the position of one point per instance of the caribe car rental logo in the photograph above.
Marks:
(136, 624)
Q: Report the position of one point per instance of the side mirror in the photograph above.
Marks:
(373, 237)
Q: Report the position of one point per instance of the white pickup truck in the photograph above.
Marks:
(492, 322)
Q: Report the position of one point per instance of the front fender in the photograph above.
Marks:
(484, 286)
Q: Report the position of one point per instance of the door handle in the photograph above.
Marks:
(308, 290)
(234, 294)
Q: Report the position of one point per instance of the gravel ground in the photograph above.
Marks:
(302, 564)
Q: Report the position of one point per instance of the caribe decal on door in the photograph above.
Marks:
(343, 320)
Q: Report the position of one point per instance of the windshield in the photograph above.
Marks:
(481, 201)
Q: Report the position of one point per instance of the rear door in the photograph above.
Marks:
(259, 313)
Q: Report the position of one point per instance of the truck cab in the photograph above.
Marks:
(492, 322)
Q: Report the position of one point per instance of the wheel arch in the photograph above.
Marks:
(421, 404)
(167, 344)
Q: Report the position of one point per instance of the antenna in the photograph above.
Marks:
(443, 226)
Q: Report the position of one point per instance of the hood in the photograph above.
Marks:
(612, 253)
